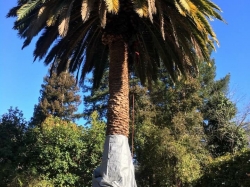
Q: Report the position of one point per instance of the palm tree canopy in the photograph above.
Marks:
(174, 32)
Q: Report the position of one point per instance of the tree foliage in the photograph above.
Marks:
(231, 170)
(224, 136)
(55, 153)
(173, 135)
(12, 134)
(59, 98)
(64, 153)
(172, 143)
(96, 99)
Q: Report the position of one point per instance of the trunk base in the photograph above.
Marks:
(116, 169)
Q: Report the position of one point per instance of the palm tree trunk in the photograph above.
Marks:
(118, 106)
(117, 168)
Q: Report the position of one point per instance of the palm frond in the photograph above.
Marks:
(94, 38)
(161, 18)
(36, 25)
(141, 7)
(209, 8)
(179, 8)
(103, 14)
(64, 20)
(13, 12)
(43, 44)
(77, 57)
(86, 8)
(101, 62)
(164, 52)
(151, 9)
(185, 5)
(25, 9)
(112, 6)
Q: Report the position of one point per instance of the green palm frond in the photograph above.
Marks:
(209, 8)
(94, 39)
(163, 49)
(149, 56)
(25, 9)
(184, 5)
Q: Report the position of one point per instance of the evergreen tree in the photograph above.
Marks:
(58, 98)
(96, 99)
(223, 134)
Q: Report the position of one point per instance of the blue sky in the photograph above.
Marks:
(21, 79)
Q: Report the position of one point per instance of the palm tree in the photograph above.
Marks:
(139, 33)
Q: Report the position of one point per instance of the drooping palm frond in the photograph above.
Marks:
(103, 14)
(86, 8)
(64, 20)
(27, 8)
(47, 38)
(36, 25)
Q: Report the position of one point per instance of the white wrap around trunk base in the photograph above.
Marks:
(116, 169)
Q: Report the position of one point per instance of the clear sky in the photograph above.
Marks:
(21, 79)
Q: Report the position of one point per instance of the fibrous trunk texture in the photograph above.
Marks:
(118, 106)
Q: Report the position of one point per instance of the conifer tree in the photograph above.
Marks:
(59, 98)
(97, 99)
(223, 134)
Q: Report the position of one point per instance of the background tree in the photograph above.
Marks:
(173, 135)
(96, 99)
(59, 98)
(222, 131)
(12, 131)
(224, 136)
